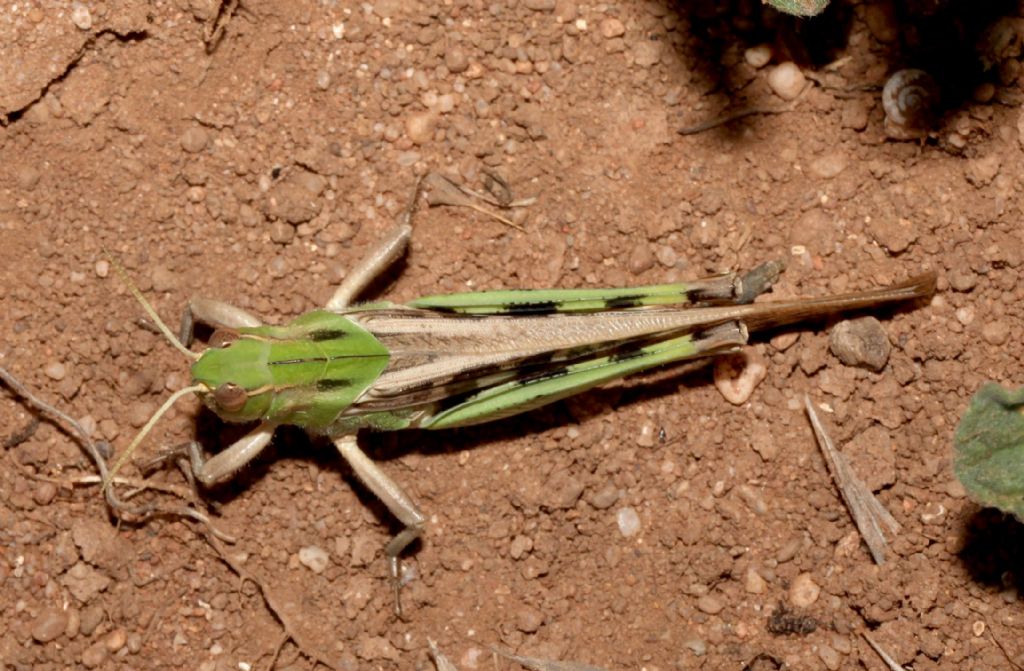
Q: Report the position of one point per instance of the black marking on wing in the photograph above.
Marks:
(330, 384)
(626, 355)
(464, 395)
(531, 308)
(623, 302)
(327, 334)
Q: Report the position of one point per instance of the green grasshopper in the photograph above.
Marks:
(456, 360)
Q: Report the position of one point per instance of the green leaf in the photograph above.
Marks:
(990, 449)
(799, 7)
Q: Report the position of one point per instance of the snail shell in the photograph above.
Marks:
(911, 101)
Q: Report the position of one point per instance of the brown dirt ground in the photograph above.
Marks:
(258, 165)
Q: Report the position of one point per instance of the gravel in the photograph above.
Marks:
(628, 521)
(49, 624)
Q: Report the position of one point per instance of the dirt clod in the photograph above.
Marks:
(861, 342)
(49, 624)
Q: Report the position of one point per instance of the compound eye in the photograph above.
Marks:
(230, 397)
(222, 338)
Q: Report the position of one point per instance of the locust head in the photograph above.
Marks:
(234, 379)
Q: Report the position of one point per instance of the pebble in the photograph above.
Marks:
(758, 56)
(612, 27)
(647, 53)
(640, 259)
(646, 436)
(984, 92)
(710, 605)
(116, 639)
(44, 493)
(420, 126)
(604, 497)
(803, 591)
(737, 376)
(540, 5)
(830, 165)
(195, 139)
(667, 255)
(520, 546)
(282, 233)
(529, 619)
(896, 236)
(965, 315)
(696, 645)
(74, 623)
(295, 200)
(962, 279)
(565, 11)
(786, 80)
(49, 624)
(90, 619)
(829, 657)
(754, 582)
(102, 268)
(628, 521)
(861, 342)
(364, 550)
(881, 22)
(456, 60)
(981, 171)
(139, 413)
(445, 103)
(323, 80)
(94, 655)
(28, 177)
(387, 8)
(373, 648)
(996, 332)
(80, 16)
(55, 370)
(314, 558)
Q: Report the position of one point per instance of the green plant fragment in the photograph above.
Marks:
(989, 445)
(799, 7)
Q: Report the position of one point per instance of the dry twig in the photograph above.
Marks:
(868, 513)
(119, 506)
(743, 113)
(886, 657)
(442, 191)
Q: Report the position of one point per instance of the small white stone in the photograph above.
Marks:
(102, 268)
(758, 55)
(786, 80)
(628, 521)
(420, 127)
(803, 591)
(80, 16)
(445, 103)
(314, 558)
(754, 582)
(55, 370)
(89, 425)
(323, 79)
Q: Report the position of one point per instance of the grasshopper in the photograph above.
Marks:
(456, 360)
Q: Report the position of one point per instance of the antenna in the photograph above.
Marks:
(149, 308)
(147, 428)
